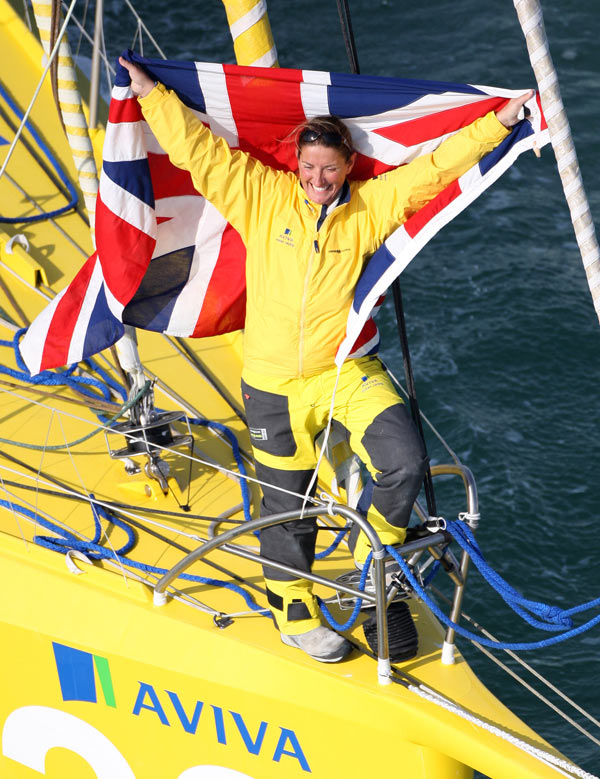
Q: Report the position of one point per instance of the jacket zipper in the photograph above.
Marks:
(303, 308)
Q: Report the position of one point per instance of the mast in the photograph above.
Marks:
(70, 104)
(532, 24)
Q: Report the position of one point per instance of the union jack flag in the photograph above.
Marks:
(166, 260)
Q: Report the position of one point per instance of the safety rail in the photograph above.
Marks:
(471, 516)
(224, 543)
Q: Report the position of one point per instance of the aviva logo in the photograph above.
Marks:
(79, 672)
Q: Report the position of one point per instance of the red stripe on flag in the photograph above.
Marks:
(426, 128)
(367, 167)
(56, 346)
(224, 306)
(167, 180)
(367, 334)
(424, 215)
(252, 98)
(128, 110)
(124, 252)
(538, 100)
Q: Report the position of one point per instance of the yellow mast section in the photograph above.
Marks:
(251, 32)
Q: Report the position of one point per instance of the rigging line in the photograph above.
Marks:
(526, 666)
(171, 394)
(531, 670)
(59, 447)
(89, 39)
(27, 17)
(236, 476)
(427, 421)
(101, 405)
(37, 157)
(137, 523)
(80, 25)
(112, 505)
(531, 19)
(547, 758)
(194, 360)
(83, 487)
(14, 512)
(51, 59)
(412, 392)
(73, 495)
(535, 692)
(346, 24)
(43, 216)
(145, 29)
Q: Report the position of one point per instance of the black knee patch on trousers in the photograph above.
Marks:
(292, 544)
(397, 453)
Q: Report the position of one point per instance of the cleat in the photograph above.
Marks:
(321, 644)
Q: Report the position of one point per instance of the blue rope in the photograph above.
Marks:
(334, 545)
(66, 540)
(50, 157)
(548, 617)
(357, 606)
(515, 646)
(59, 378)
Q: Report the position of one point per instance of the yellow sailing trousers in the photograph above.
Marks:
(285, 416)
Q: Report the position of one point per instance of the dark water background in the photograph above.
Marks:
(504, 338)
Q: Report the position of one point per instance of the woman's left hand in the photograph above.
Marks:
(509, 114)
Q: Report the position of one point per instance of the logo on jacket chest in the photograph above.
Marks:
(286, 238)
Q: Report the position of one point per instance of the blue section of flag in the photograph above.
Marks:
(3, 141)
(133, 176)
(75, 673)
(174, 74)
(103, 326)
(519, 131)
(349, 96)
(152, 305)
(377, 266)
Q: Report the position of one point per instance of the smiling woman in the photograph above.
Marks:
(299, 293)
(325, 157)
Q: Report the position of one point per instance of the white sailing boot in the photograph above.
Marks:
(321, 644)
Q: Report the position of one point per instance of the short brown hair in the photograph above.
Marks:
(324, 127)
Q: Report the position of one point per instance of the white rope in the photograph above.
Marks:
(51, 58)
(532, 24)
(558, 763)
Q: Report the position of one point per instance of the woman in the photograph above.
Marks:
(307, 239)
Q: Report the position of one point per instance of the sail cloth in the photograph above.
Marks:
(166, 260)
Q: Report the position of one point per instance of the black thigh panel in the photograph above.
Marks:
(268, 417)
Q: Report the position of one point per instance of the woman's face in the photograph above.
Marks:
(322, 171)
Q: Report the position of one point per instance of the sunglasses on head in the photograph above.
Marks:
(330, 137)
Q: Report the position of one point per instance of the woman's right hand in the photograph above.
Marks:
(141, 83)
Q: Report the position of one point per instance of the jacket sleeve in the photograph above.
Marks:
(395, 196)
(233, 181)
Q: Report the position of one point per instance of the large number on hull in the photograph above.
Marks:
(32, 731)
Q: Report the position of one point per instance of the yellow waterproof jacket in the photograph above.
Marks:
(300, 273)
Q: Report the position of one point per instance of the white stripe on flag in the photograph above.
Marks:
(213, 84)
(121, 93)
(32, 344)
(313, 93)
(208, 246)
(124, 141)
(183, 213)
(80, 330)
(126, 206)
